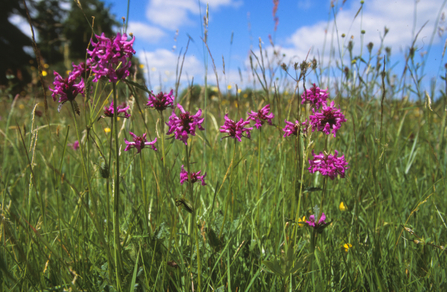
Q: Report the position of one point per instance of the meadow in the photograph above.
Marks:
(350, 195)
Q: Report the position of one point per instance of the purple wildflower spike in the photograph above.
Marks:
(329, 165)
(139, 142)
(161, 101)
(185, 124)
(235, 130)
(110, 58)
(315, 96)
(82, 69)
(261, 116)
(328, 120)
(193, 177)
(312, 222)
(109, 111)
(66, 88)
(75, 145)
(292, 128)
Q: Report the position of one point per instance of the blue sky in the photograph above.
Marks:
(304, 26)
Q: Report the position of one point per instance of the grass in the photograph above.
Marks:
(241, 231)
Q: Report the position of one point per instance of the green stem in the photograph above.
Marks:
(229, 188)
(163, 139)
(116, 202)
(259, 176)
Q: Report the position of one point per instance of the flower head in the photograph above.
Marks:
(75, 145)
(110, 58)
(139, 142)
(321, 221)
(328, 120)
(109, 111)
(301, 221)
(67, 88)
(161, 101)
(292, 128)
(315, 96)
(329, 165)
(261, 116)
(185, 124)
(235, 130)
(192, 177)
(347, 246)
(82, 69)
(342, 207)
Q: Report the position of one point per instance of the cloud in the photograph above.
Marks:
(145, 32)
(171, 14)
(21, 23)
(397, 16)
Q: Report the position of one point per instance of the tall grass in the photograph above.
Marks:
(241, 232)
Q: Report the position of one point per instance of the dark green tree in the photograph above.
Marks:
(77, 27)
(12, 43)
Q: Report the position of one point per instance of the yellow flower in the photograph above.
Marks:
(303, 220)
(245, 95)
(229, 87)
(347, 246)
(21, 106)
(117, 118)
(239, 90)
(68, 72)
(342, 207)
(141, 66)
(44, 73)
(107, 130)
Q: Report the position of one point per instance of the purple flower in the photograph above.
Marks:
(139, 143)
(82, 69)
(235, 130)
(315, 96)
(292, 128)
(312, 223)
(185, 124)
(261, 116)
(110, 58)
(109, 111)
(328, 120)
(329, 165)
(75, 145)
(193, 177)
(161, 101)
(67, 88)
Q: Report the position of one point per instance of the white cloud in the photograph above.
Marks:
(170, 14)
(396, 15)
(22, 24)
(145, 32)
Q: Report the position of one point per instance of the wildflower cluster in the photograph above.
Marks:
(261, 116)
(67, 89)
(122, 108)
(185, 124)
(161, 101)
(139, 143)
(235, 130)
(315, 96)
(192, 177)
(111, 58)
(328, 164)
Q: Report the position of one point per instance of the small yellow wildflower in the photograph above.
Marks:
(21, 106)
(107, 130)
(245, 95)
(44, 73)
(239, 90)
(229, 87)
(141, 66)
(347, 246)
(117, 118)
(342, 207)
(68, 72)
(302, 220)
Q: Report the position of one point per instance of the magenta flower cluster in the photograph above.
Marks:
(329, 165)
(139, 143)
(293, 128)
(235, 130)
(161, 101)
(185, 124)
(111, 58)
(328, 120)
(67, 89)
(321, 221)
(261, 116)
(122, 108)
(192, 177)
(315, 96)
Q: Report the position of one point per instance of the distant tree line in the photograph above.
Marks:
(63, 29)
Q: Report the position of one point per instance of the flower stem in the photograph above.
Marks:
(163, 139)
(259, 175)
(229, 189)
(117, 193)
